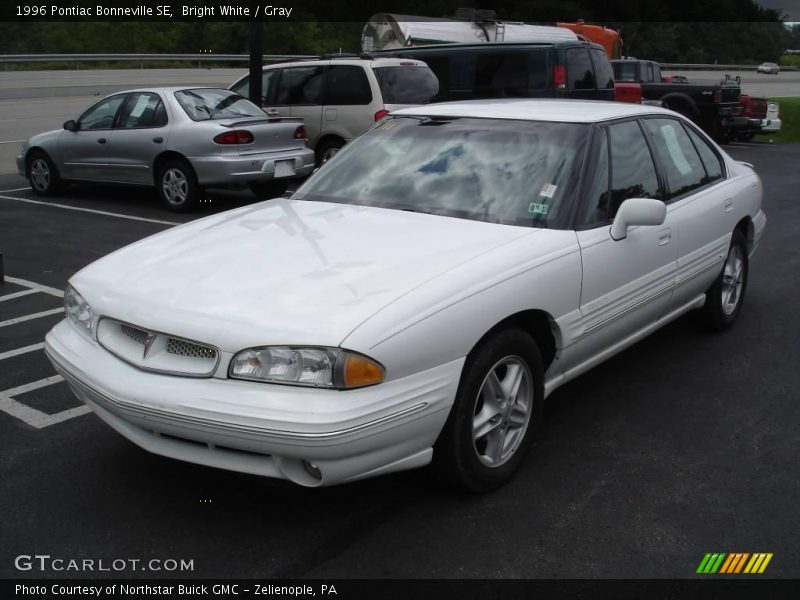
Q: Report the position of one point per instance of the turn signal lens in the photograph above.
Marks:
(360, 371)
(380, 114)
(301, 133)
(559, 76)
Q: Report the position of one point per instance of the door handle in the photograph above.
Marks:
(158, 140)
(728, 204)
(272, 112)
(101, 140)
(664, 237)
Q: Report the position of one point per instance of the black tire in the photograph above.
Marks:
(177, 186)
(720, 310)
(327, 149)
(745, 137)
(461, 455)
(269, 189)
(684, 107)
(43, 174)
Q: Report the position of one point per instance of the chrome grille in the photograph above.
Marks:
(137, 335)
(155, 351)
(184, 348)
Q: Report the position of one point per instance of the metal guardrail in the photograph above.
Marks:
(142, 58)
(700, 67)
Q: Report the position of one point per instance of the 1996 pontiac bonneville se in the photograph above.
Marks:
(417, 298)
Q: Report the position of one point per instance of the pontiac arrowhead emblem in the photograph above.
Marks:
(151, 337)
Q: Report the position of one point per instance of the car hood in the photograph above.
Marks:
(281, 272)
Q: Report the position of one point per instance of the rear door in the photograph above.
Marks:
(141, 134)
(299, 90)
(86, 151)
(349, 105)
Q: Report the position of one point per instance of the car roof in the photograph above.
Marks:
(539, 109)
(375, 61)
(166, 89)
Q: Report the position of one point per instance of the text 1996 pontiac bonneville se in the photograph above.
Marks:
(418, 297)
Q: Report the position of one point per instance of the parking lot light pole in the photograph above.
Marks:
(256, 58)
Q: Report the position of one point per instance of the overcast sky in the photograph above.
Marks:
(790, 8)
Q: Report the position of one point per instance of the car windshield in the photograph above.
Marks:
(499, 171)
(406, 84)
(205, 104)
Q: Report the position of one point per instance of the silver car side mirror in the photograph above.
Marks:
(637, 211)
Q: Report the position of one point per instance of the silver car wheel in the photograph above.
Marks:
(502, 411)
(732, 279)
(40, 174)
(175, 186)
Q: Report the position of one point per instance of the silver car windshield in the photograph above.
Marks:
(205, 104)
(499, 171)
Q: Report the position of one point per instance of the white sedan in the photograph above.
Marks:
(417, 298)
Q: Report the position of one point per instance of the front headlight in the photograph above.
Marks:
(77, 309)
(316, 367)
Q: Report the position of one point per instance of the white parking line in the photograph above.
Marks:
(31, 416)
(90, 210)
(24, 189)
(24, 350)
(30, 317)
(36, 286)
(12, 142)
(18, 294)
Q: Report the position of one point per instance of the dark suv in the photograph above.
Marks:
(568, 69)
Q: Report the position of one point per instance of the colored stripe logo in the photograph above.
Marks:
(734, 563)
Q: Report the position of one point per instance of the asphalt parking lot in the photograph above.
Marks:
(685, 444)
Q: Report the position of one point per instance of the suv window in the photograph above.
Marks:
(300, 85)
(711, 160)
(406, 85)
(602, 68)
(101, 115)
(633, 174)
(580, 74)
(347, 85)
(268, 79)
(143, 109)
(676, 153)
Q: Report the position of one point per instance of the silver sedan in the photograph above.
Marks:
(179, 140)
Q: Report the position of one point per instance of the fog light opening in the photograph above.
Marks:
(312, 470)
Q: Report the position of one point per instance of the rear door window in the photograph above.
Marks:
(406, 84)
(143, 109)
(347, 85)
(580, 73)
(602, 68)
(300, 85)
(677, 156)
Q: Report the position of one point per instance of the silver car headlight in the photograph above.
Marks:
(307, 366)
(77, 309)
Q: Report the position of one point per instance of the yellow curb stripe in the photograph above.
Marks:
(758, 563)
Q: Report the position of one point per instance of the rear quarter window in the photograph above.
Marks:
(406, 84)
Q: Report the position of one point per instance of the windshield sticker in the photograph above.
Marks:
(674, 149)
(539, 209)
(548, 190)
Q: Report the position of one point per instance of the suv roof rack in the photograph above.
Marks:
(361, 55)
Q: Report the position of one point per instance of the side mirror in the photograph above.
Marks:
(71, 125)
(637, 211)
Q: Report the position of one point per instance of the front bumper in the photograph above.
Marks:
(237, 169)
(257, 428)
(771, 126)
